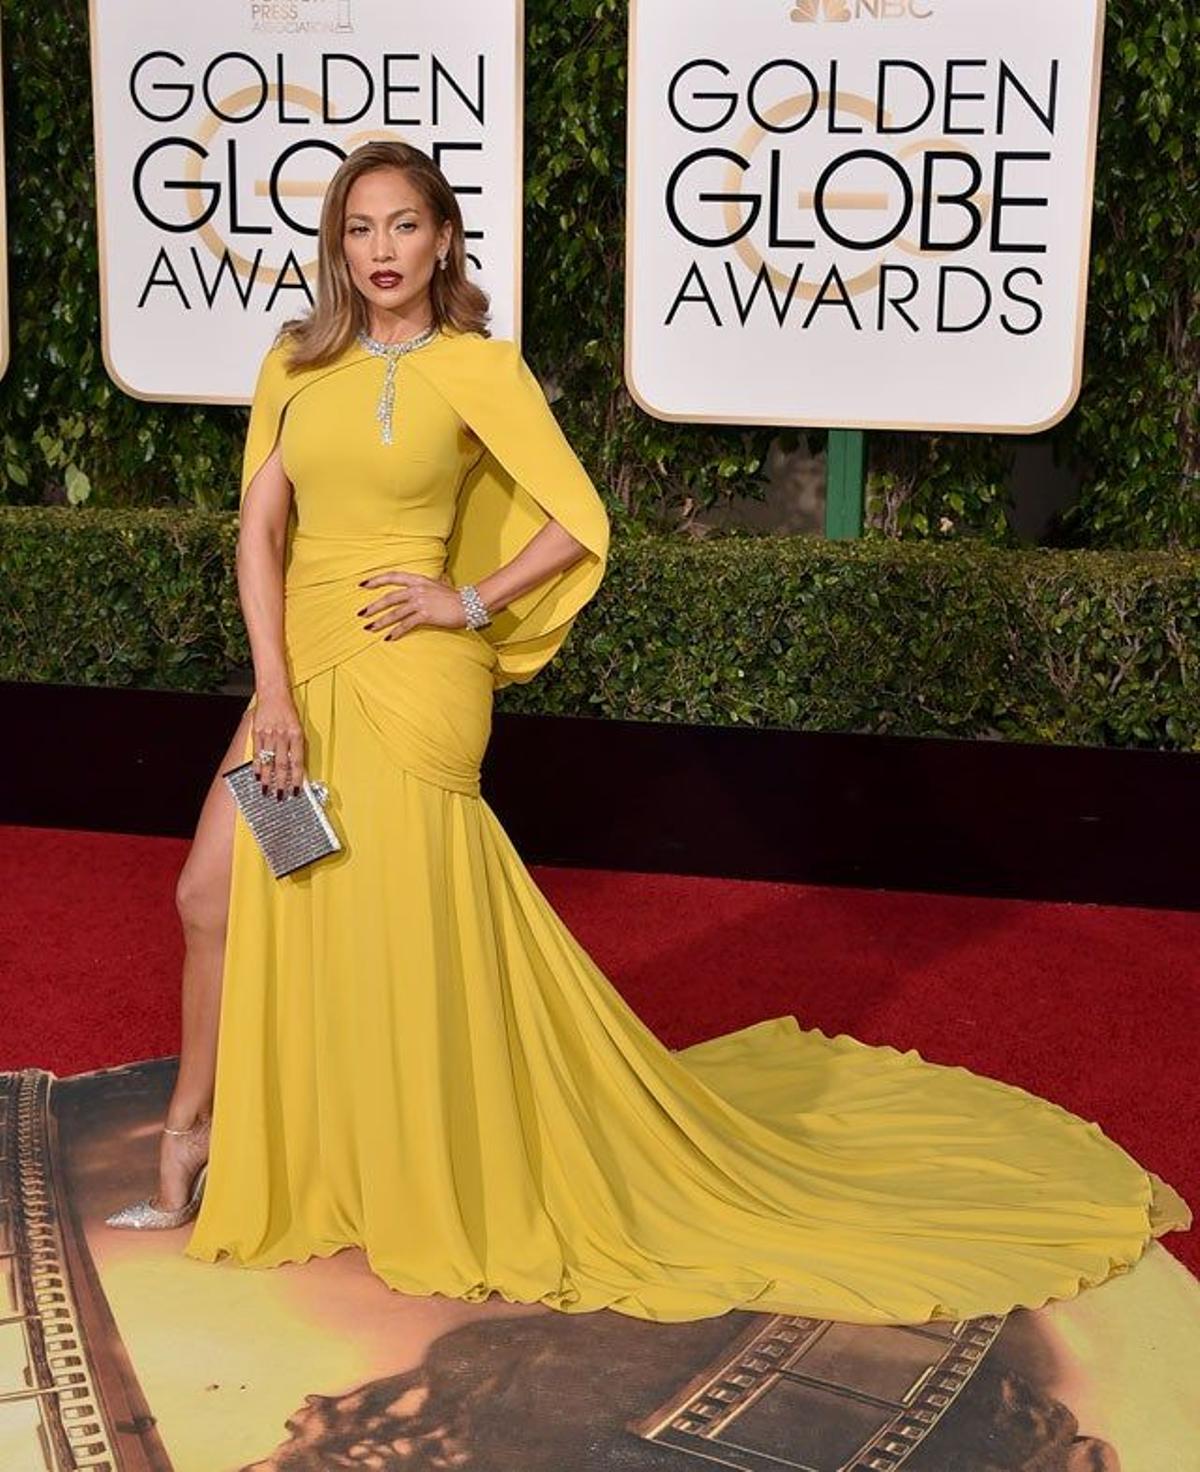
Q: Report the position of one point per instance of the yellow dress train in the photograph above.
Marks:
(415, 1054)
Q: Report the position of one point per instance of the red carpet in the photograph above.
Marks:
(1094, 1007)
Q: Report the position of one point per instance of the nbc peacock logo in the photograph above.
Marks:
(809, 11)
(821, 10)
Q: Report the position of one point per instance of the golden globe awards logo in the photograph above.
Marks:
(814, 207)
(846, 10)
(218, 127)
(206, 181)
(845, 176)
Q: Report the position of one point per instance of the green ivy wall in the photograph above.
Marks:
(69, 435)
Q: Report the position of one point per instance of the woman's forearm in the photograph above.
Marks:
(260, 591)
(550, 550)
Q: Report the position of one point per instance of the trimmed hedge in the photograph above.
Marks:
(903, 638)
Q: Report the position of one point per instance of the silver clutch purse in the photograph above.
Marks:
(291, 833)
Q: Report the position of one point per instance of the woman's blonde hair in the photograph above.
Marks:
(340, 310)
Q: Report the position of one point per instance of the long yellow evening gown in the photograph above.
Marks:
(416, 1055)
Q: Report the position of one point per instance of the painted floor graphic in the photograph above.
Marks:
(118, 1354)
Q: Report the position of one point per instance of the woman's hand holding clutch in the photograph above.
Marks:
(278, 743)
(417, 599)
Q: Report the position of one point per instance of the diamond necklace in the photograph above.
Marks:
(393, 352)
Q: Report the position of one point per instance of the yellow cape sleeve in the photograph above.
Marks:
(266, 410)
(527, 475)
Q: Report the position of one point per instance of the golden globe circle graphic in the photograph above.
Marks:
(852, 105)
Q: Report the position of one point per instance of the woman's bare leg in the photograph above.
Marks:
(202, 900)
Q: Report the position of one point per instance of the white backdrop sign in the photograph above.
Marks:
(863, 213)
(218, 127)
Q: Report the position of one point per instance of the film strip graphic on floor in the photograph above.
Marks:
(63, 1369)
(809, 1394)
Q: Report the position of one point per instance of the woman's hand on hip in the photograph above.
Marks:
(276, 726)
(412, 600)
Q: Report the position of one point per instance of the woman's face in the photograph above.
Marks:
(392, 242)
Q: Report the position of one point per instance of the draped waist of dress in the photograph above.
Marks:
(322, 596)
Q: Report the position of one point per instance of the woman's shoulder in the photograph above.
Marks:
(278, 370)
(278, 357)
(495, 359)
(272, 366)
(477, 344)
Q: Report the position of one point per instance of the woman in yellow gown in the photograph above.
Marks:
(417, 1057)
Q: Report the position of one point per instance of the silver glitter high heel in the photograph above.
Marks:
(142, 1214)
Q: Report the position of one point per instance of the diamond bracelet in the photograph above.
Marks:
(476, 610)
